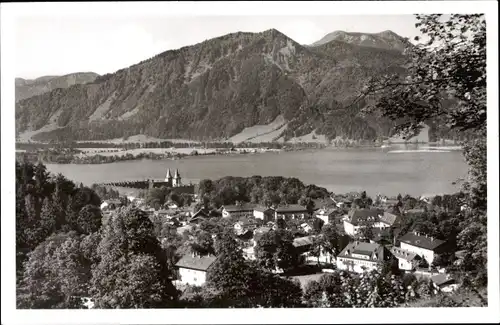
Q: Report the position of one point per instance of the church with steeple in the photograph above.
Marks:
(173, 181)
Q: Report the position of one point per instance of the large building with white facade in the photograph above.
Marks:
(362, 257)
(425, 246)
(407, 261)
(358, 218)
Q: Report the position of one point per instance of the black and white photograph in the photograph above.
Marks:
(218, 162)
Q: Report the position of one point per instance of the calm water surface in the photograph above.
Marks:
(373, 170)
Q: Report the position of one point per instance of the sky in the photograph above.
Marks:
(58, 45)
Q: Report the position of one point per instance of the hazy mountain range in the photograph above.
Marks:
(219, 88)
(26, 88)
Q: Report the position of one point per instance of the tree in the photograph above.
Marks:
(446, 83)
(89, 219)
(229, 273)
(275, 250)
(56, 274)
(329, 239)
(132, 271)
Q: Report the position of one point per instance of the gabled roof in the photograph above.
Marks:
(421, 241)
(177, 174)
(246, 207)
(389, 218)
(404, 254)
(200, 213)
(303, 241)
(290, 208)
(326, 212)
(201, 263)
(357, 216)
(169, 175)
(441, 279)
(375, 252)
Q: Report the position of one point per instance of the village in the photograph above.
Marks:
(369, 236)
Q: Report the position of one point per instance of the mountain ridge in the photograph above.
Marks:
(386, 39)
(214, 89)
(26, 88)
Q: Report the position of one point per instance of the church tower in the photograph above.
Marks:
(168, 178)
(177, 179)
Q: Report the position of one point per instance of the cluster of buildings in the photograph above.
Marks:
(414, 252)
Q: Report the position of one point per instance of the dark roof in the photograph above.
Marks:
(421, 241)
(404, 254)
(362, 215)
(201, 263)
(246, 235)
(239, 208)
(290, 208)
(261, 208)
(364, 249)
(442, 279)
(201, 213)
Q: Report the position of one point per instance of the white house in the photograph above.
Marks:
(292, 211)
(360, 257)
(442, 282)
(263, 213)
(357, 218)
(237, 210)
(424, 246)
(407, 261)
(192, 268)
(325, 215)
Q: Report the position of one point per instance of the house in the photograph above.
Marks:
(292, 211)
(303, 244)
(407, 261)
(360, 257)
(111, 204)
(198, 216)
(442, 282)
(306, 227)
(263, 213)
(424, 246)
(326, 214)
(183, 229)
(192, 268)
(259, 232)
(237, 210)
(171, 205)
(389, 219)
(357, 218)
(245, 235)
(243, 225)
(249, 253)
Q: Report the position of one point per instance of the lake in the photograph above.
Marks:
(374, 170)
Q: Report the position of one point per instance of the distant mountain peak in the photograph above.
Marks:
(386, 39)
